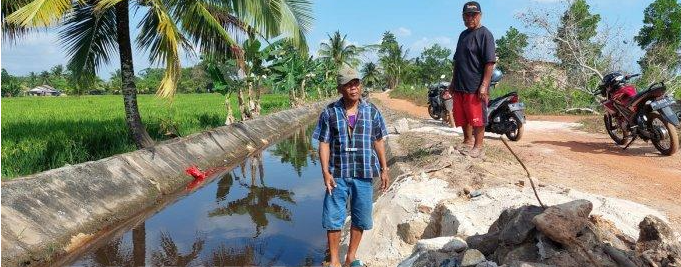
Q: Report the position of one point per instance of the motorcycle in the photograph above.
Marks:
(505, 114)
(436, 102)
(647, 115)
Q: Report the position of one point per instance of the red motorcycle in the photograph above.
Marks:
(647, 115)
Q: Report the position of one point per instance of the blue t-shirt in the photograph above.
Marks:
(474, 49)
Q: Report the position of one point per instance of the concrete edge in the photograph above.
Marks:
(53, 212)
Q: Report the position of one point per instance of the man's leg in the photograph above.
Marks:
(334, 240)
(468, 138)
(478, 111)
(361, 201)
(355, 238)
(479, 133)
(461, 121)
(333, 217)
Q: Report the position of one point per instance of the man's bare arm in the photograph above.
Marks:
(379, 146)
(483, 91)
(324, 155)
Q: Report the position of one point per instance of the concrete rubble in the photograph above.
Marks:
(433, 219)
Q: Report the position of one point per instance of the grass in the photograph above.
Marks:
(416, 94)
(42, 133)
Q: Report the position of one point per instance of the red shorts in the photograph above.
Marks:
(469, 110)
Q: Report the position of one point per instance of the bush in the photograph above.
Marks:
(544, 98)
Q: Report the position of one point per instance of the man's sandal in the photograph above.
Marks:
(357, 263)
(463, 148)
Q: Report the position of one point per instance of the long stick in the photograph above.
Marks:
(529, 176)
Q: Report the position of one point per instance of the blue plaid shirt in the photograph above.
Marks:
(352, 154)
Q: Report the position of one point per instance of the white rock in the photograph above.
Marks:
(450, 243)
(456, 245)
(401, 126)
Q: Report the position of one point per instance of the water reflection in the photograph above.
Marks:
(113, 254)
(243, 218)
(249, 255)
(258, 202)
(297, 149)
(169, 255)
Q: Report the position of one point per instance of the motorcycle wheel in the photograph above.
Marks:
(614, 130)
(670, 143)
(518, 133)
(433, 114)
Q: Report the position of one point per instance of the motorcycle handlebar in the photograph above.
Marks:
(632, 76)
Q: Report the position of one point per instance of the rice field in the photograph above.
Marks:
(42, 133)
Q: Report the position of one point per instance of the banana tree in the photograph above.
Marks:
(293, 69)
(225, 78)
(93, 30)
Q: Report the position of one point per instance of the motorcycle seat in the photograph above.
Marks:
(653, 91)
(498, 99)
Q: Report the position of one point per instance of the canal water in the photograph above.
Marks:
(264, 212)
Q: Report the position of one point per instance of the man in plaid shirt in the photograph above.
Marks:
(351, 135)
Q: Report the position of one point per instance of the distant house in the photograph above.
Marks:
(44, 90)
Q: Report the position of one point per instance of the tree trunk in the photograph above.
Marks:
(302, 91)
(139, 245)
(245, 112)
(292, 96)
(251, 100)
(258, 93)
(132, 115)
(228, 105)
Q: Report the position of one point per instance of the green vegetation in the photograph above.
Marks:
(540, 98)
(660, 37)
(93, 32)
(41, 133)
(415, 94)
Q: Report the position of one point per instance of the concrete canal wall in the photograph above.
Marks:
(54, 211)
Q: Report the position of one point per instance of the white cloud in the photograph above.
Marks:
(425, 42)
(403, 32)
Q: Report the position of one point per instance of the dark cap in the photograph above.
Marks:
(471, 7)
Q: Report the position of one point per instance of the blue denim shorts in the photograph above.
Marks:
(360, 192)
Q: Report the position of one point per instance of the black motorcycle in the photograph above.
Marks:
(436, 104)
(505, 114)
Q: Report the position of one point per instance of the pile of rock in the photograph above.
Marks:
(560, 235)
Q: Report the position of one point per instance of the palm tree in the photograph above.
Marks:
(32, 79)
(93, 29)
(371, 76)
(44, 77)
(338, 50)
(393, 63)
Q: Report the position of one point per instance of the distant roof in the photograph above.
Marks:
(43, 88)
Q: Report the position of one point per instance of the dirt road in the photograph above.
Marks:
(557, 153)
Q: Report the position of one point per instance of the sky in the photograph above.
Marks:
(417, 24)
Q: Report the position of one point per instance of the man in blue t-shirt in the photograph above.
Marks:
(473, 65)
